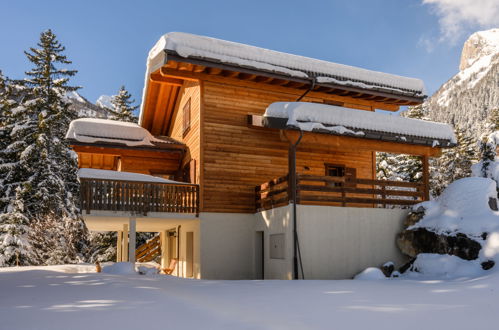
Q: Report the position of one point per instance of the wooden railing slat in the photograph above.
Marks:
(138, 197)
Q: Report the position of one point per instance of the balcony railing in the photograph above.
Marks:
(338, 191)
(138, 197)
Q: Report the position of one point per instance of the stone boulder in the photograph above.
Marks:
(420, 240)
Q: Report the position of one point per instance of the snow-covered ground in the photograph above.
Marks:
(74, 297)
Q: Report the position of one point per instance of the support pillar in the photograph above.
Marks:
(132, 242)
(119, 246)
(426, 177)
(124, 254)
(164, 251)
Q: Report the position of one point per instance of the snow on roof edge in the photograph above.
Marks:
(92, 130)
(309, 116)
(92, 173)
(189, 45)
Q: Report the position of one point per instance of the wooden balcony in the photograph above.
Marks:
(339, 191)
(138, 197)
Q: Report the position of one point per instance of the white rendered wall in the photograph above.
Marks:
(276, 221)
(335, 242)
(227, 245)
(190, 226)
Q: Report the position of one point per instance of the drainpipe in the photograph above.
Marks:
(292, 182)
(312, 86)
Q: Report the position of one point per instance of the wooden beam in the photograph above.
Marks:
(199, 68)
(247, 76)
(222, 66)
(265, 80)
(230, 74)
(182, 66)
(166, 154)
(257, 84)
(167, 80)
(214, 71)
(172, 73)
(338, 143)
(426, 177)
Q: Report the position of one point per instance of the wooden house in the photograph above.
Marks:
(279, 153)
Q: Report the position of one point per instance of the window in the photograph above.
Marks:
(186, 122)
(337, 171)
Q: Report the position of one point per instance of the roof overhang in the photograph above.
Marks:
(161, 88)
(281, 124)
(405, 98)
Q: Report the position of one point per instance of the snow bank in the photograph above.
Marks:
(462, 208)
(311, 116)
(91, 173)
(371, 273)
(92, 130)
(194, 46)
(443, 266)
(120, 268)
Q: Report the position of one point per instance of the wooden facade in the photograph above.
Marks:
(229, 157)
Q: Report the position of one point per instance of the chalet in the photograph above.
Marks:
(255, 164)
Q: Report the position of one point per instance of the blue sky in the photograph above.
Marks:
(108, 41)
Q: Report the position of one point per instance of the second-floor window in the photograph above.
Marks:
(186, 120)
(336, 171)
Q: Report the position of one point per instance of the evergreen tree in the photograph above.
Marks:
(44, 167)
(487, 146)
(15, 248)
(454, 163)
(123, 108)
(401, 167)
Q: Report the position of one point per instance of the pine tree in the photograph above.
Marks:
(15, 248)
(402, 167)
(123, 108)
(487, 146)
(454, 163)
(44, 167)
(46, 153)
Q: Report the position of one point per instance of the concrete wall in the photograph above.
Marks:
(335, 242)
(276, 221)
(181, 270)
(226, 244)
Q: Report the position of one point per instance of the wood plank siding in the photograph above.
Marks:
(228, 157)
(237, 158)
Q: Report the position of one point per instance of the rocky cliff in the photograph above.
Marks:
(467, 98)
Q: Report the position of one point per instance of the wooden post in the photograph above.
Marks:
(426, 177)
(124, 254)
(119, 246)
(132, 242)
(164, 252)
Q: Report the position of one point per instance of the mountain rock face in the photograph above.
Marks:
(467, 98)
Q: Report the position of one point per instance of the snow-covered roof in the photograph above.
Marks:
(91, 173)
(93, 130)
(240, 55)
(344, 121)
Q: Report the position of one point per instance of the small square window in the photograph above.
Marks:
(336, 171)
